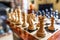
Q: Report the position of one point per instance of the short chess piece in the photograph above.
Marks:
(51, 27)
(41, 32)
(16, 17)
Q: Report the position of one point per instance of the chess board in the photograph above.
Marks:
(25, 25)
(47, 33)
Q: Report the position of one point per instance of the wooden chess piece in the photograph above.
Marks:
(19, 16)
(51, 27)
(40, 32)
(31, 24)
(16, 16)
(24, 20)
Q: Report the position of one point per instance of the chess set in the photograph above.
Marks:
(27, 27)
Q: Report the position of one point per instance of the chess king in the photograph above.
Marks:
(40, 32)
(51, 27)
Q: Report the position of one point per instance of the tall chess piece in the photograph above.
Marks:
(24, 20)
(19, 16)
(40, 32)
(51, 27)
(16, 16)
(31, 26)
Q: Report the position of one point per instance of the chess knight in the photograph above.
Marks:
(41, 32)
(30, 22)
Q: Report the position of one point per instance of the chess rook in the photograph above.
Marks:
(40, 32)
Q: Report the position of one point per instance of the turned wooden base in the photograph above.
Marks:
(31, 28)
(24, 25)
(51, 28)
(42, 34)
(51, 31)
